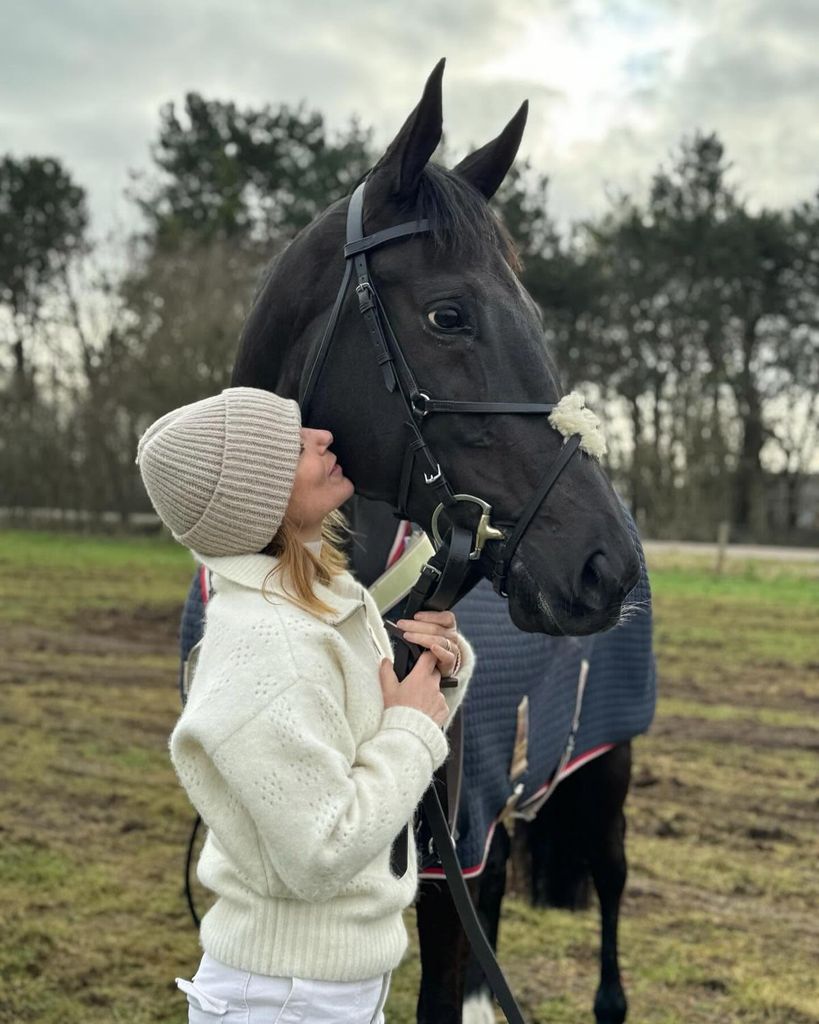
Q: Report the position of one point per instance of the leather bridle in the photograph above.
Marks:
(448, 574)
(419, 405)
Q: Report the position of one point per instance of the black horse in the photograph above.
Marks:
(470, 332)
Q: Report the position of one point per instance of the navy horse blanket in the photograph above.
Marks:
(582, 696)
(538, 707)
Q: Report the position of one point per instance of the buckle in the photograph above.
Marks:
(431, 571)
(419, 402)
(364, 292)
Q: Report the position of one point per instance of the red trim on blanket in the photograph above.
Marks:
(590, 755)
(432, 873)
(204, 588)
(402, 533)
(477, 869)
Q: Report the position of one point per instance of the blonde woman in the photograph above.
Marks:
(298, 747)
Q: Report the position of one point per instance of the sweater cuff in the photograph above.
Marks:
(467, 661)
(421, 726)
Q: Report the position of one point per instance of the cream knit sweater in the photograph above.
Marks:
(302, 777)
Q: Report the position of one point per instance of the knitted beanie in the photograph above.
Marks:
(219, 472)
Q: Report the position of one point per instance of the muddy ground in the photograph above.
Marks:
(721, 917)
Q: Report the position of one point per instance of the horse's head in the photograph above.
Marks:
(470, 332)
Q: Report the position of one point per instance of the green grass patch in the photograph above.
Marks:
(780, 587)
(729, 713)
(28, 548)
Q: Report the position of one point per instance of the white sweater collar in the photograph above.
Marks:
(252, 571)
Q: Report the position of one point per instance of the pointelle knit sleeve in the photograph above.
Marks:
(322, 807)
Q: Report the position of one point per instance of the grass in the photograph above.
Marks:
(720, 918)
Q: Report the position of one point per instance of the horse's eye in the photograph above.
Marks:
(447, 318)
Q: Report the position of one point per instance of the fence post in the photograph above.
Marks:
(723, 532)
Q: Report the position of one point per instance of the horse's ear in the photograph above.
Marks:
(397, 173)
(486, 168)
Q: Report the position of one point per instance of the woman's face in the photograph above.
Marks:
(319, 485)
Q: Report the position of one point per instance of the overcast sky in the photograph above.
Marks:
(613, 84)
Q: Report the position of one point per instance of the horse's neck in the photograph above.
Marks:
(375, 526)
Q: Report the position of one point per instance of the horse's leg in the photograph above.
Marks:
(478, 1000)
(607, 861)
(444, 954)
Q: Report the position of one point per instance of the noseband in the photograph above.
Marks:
(419, 406)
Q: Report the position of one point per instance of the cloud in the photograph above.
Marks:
(613, 84)
(744, 70)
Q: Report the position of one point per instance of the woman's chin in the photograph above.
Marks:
(347, 486)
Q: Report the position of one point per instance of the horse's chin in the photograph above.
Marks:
(534, 610)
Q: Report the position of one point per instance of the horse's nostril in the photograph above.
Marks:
(591, 572)
(596, 581)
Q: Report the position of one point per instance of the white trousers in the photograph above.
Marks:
(219, 994)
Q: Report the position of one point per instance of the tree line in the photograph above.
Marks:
(689, 316)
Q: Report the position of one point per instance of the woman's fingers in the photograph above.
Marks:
(428, 639)
(427, 628)
(447, 659)
(443, 620)
(438, 632)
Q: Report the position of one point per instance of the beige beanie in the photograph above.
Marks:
(219, 472)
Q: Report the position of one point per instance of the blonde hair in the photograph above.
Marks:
(299, 568)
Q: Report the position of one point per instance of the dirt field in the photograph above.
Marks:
(721, 919)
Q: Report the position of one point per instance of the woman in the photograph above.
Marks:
(299, 748)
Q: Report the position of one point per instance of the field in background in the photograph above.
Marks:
(721, 919)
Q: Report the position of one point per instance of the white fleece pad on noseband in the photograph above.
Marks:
(570, 416)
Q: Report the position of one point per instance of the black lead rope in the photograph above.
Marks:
(437, 589)
(466, 909)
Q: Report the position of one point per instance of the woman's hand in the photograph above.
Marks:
(421, 688)
(438, 632)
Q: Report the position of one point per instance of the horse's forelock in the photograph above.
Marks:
(460, 219)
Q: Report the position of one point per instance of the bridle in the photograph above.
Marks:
(449, 573)
(462, 546)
